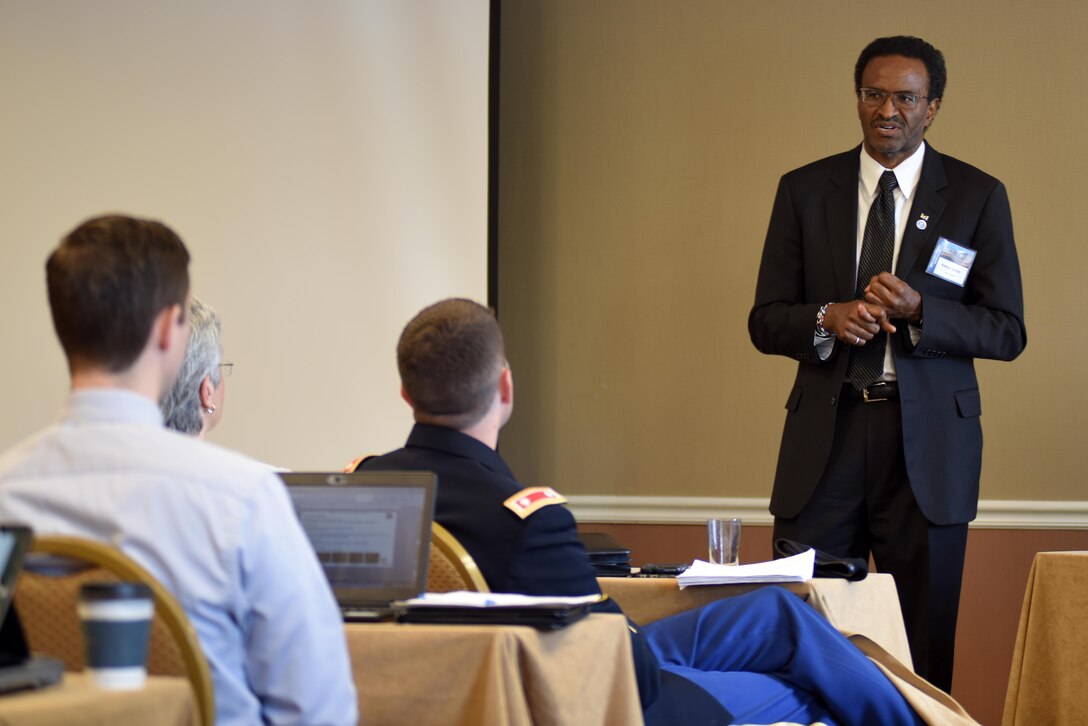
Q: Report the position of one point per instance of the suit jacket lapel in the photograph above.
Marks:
(927, 207)
(842, 214)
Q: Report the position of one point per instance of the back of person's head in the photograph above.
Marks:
(108, 280)
(450, 357)
(181, 408)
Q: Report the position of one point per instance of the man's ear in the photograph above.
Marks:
(506, 385)
(207, 390)
(406, 397)
(168, 328)
(931, 111)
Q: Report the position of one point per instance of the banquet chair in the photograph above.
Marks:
(452, 567)
(47, 593)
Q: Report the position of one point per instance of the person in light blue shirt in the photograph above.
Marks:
(217, 529)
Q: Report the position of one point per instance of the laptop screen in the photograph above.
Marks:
(14, 542)
(18, 669)
(371, 531)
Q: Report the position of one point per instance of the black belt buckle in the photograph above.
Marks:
(878, 392)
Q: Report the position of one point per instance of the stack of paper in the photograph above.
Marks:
(788, 569)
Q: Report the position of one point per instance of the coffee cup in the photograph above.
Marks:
(116, 619)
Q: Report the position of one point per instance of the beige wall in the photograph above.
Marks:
(640, 146)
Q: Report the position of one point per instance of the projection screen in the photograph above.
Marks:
(325, 162)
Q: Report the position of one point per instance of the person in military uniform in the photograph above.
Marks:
(764, 657)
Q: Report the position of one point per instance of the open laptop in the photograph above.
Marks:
(372, 533)
(18, 669)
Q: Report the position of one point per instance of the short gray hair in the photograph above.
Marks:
(181, 407)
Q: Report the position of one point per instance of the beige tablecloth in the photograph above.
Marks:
(76, 700)
(869, 607)
(491, 674)
(1048, 683)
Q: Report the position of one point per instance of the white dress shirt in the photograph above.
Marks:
(907, 175)
(217, 529)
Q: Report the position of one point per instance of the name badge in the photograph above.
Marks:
(951, 262)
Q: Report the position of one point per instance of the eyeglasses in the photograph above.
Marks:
(903, 100)
(226, 369)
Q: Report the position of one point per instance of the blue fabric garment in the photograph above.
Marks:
(759, 698)
(809, 670)
(216, 529)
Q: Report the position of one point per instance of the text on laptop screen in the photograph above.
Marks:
(363, 536)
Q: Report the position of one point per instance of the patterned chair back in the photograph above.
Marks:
(452, 567)
(48, 591)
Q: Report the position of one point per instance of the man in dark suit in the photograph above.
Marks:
(764, 657)
(886, 271)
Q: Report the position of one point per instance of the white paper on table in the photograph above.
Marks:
(797, 568)
(464, 598)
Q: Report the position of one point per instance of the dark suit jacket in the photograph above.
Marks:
(809, 260)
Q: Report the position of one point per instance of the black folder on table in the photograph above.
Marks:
(607, 556)
(495, 608)
(542, 617)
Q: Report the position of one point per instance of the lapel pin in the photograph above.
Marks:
(920, 224)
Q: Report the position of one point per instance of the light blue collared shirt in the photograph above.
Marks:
(217, 529)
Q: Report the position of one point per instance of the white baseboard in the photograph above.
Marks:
(992, 513)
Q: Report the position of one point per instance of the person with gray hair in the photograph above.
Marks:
(195, 404)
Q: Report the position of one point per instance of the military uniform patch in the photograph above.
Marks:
(352, 466)
(531, 499)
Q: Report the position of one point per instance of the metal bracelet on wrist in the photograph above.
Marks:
(821, 331)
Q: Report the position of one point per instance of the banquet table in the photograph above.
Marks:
(495, 674)
(1047, 682)
(869, 607)
(163, 701)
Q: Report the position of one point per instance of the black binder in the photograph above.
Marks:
(607, 556)
(542, 617)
